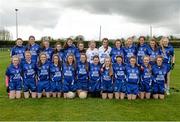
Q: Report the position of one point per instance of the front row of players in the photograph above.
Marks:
(107, 80)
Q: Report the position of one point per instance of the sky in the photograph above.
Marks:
(66, 18)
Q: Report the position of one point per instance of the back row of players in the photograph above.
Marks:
(142, 69)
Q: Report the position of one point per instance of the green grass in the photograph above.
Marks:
(90, 109)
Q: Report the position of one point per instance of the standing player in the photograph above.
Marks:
(159, 72)
(69, 75)
(18, 49)
(119, 78)
(104, 50)
(33, 48)
(145, 78)
(167, 51)
(29, 75)
(94, 77)
(14, 78)
(80, 50)
(129, 50)
(82, 75)
(58, 50)
(117, 50)
(107, 79)
(132, 74)
(141, 50)
(43, 73)
(56, 76)
(91, 51)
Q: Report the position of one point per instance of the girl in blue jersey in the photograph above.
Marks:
(141, 50)
(129, 50)
(167, 51)
(82, 75)
(145, 79)
(153, 51)
(80, 50)
(69, 75)
(94, 77)
(69, 48)
(58, 50)
(43, 74)
(107, 79)
(29, 76)
(117, 50)
(18, 49)
(132, 79)
(159, 72)
(47, 49)
(119, 78)
(13, 75)
(33, 48)
(56, 76)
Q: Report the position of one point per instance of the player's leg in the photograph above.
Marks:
(117, 95)
(12, 94)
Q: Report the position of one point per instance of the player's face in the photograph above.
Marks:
(96, 60)
(83, 58)
(28, 56)
(31, 41)
(19, 42)
(119, 60)
(92, 45)
(46, 44)
(118, 44)
(105, 43)
(159, 61)
(141, 41)
(15, 61)
(165, 42)
(58, 47)
(132, 61)
(107, 61)
(81, 46)
(129, 42)
(152, 44)
(146, 60)
(56, 59)
(69, 42)
(43, 59)
(70, 59)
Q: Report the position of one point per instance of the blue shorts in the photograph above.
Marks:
(43, 85)
(15, 85)
(119, 86)
(56, 86)
(68, 86)
(132, 89)
(107, 86)
(158, 88)
(29, 84)
(94, 86)
(82, 85)
(145, 87)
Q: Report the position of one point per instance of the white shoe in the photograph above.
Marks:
(167, 92)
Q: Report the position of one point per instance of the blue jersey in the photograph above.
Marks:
(94, 72)
(105, 76)
(116, 52)
(35, 50)
(129, 52)
(141, 52)
(18, 50)
(43, 71)
(69, 73)
(167, 54)
(29, 70)
(78, 54)
(82, 73)
(49, 52)
(159, 73)
(70, 50)
(152, 54)
(119, 72)
(55, 73)
(132, 74)
(61, 55)
(146, 74)
(14, 73)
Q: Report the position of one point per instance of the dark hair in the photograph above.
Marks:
(65, 44)
(96, 56)
(42, 45)
(74, 60)
(120, 56)
(156, 44)
(31, 37)
(104, 39)
(19, 39)
(59, 62)
(86, 63)
(39, 62)
(118, 40)
(142, 37)
(55, 49)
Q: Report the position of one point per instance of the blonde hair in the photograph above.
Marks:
(110, 66)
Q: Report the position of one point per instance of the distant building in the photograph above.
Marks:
(5, 35)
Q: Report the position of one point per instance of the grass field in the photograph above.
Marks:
(90, 109)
